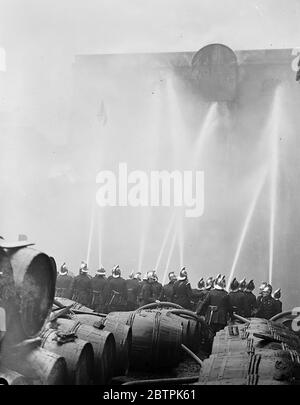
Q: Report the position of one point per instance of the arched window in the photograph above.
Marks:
(2, 60)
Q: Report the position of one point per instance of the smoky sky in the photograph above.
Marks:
(114, 26)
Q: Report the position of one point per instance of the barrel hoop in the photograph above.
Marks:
(155, 334)
(252, 379)
(130, 319)
(222, 367)
(254, 361)
(294, 356)
(44, 336)
(250, 346)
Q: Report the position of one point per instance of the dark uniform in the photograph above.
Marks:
(99, 293)
(238, 302)
(64, 286)
(267, 307)
(82, 292)
(146, 293)
(168, 291)
(157, 289)
(216, 307)
(183, 294)
(250, 304)
(133, 286)
(116, 294)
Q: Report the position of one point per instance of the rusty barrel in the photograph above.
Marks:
(156, 338)
(44, 366)
(122, 334)
(10, 377)
(79, 356)
(34, 277)
(103, 343)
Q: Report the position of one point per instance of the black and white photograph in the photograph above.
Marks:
(150, 195)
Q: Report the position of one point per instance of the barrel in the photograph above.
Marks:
(122, 334)
(266, 367)
(10, 377)
(156, 338)
(103, 343)
(79, 356)
(39, 364)
(34, 277)
(74, 305)
(123, 337)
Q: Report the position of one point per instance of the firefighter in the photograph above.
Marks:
(216, 307)
(183, 294)
(99, 287)
(267, 306)
(260, 293)
(138, 276)
(237, 297)
(197, 292)
(251, 303)
(146, 292)
(117, 291)
(133, 290)
(168, 289)
(82, 291)
(277, 296)
(157, 288)
(64, 283)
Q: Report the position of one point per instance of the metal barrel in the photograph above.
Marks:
(103, 343)
(43, 366)
(79, 356)
(34, 276)
(10, 377)
(156, 338)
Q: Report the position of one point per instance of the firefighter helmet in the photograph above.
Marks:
(242, 284)
(220, 282)
(63, 269)
(116, 271)
(268, 289)
(101, 271)
(182, 274)
(250, 286)
(209, 282)
(277, 294)
(201, 283)
(83, 267)
(234, 284)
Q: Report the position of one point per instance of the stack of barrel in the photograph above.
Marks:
(40, 347)
(259, 352)
(27, 284)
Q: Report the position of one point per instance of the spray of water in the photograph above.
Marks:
(100, 240)
(273, 129)
(207, 128)
(171, 251)
(249, 215)
(180, 237)
(166, 236)
(91, 231)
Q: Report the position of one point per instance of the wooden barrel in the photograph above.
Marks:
(156, 338)
(39, 364)
(10, 377)
(268, 366)
(79, 356)
(123, 337)
(103, 343)
(34, 276)
(74, 305)
(122, 334)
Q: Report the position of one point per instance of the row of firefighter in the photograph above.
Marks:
(114, 293)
